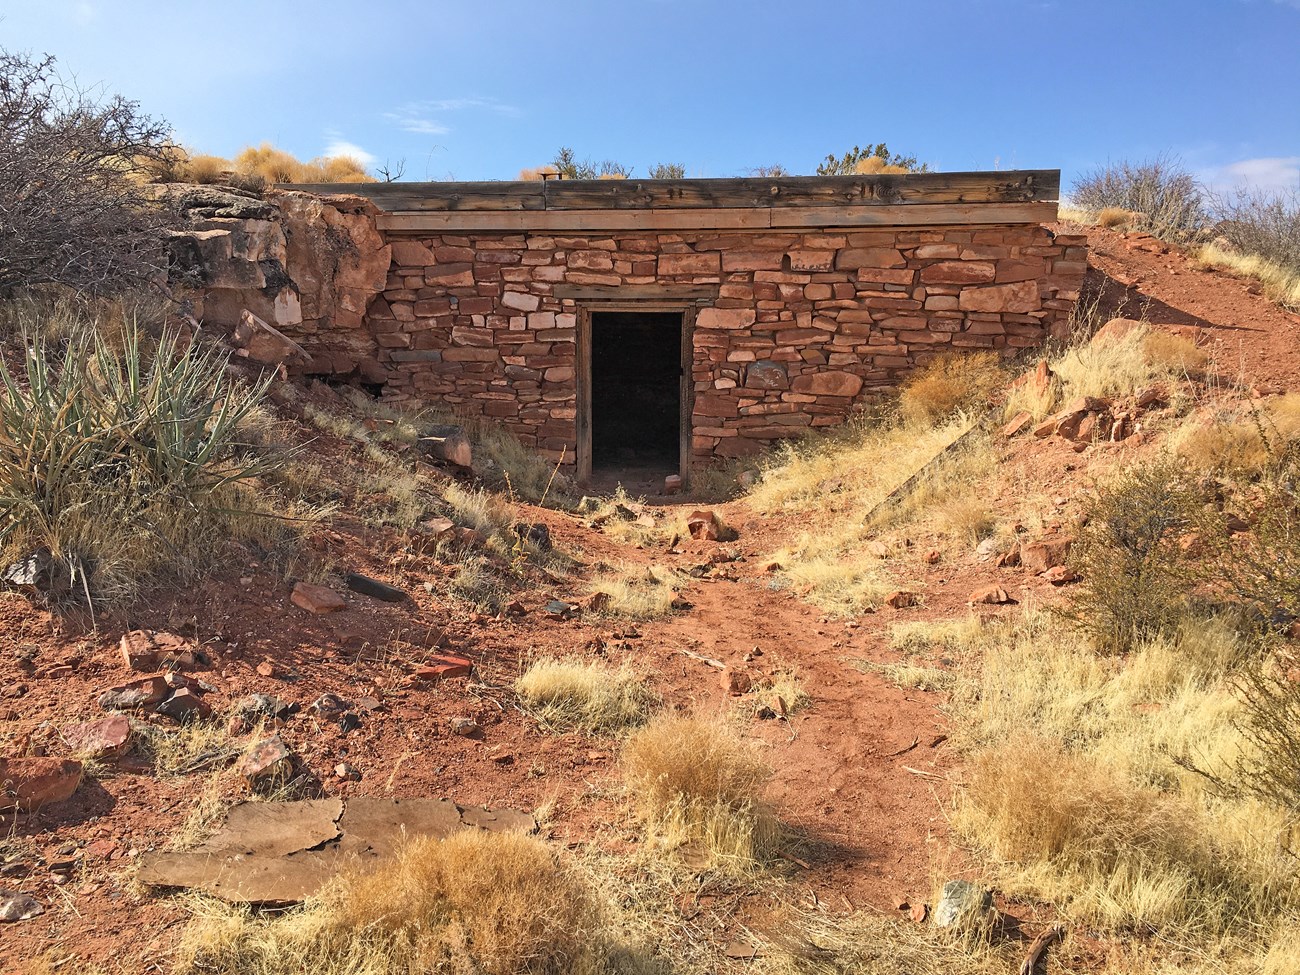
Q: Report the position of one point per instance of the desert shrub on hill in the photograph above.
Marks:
(1258, 236)
(1161, 197)
(120, 464)
(1130, 555)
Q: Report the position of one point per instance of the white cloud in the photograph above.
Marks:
(341, 147)
(84, 14)
(423, 117)
(1264, 173)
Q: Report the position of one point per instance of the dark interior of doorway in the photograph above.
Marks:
(635, 389)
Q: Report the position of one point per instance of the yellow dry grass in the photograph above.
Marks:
(1239, 438)
(596, 698)
(1113, 218)
(840, 484)
(1124, 366)
(1278, 283)
(1075, 793)
(637, 592)
(696, 787)
(476, 902)
(949, 383)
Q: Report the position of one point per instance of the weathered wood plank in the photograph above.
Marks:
(759, 218)
(495, 195)
(1021, 186)
(1012, 186)
(916, 214)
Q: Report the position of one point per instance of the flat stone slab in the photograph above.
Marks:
(280, 853)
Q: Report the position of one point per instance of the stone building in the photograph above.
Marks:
(672, 322)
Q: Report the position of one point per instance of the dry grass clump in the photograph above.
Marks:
(949, 383)
(1173, 354)
(639, 593)
(1241, 439)
(476, 902)
(598, 699)
(476, 582)
(1280, 284)
(266, 162)
(696, 787)
(1112, 218)
(1124, 366)
(1103, 848)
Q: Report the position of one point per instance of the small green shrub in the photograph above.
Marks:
(1131, 557)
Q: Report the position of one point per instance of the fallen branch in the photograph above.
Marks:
(905, 749)
(702, 659)
(928, 775)
(1039, 947)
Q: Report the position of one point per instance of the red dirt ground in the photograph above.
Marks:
(864, 775)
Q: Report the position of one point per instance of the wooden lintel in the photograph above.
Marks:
(668, 294)
(758, 218)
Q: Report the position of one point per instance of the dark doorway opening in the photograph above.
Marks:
(636, 389)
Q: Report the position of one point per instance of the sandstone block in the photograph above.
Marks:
(728, 318)
(958, 272)
(828, 383)
(1021, 296)
(33, 782)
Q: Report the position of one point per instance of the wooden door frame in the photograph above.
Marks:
(686, 384)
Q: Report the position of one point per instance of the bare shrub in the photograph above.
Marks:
(1163, 198)
(695, 784)
(1262, 222)
(949, 383)
(476, 902)
(1269, 769)
(72, 209)
(1134, 582)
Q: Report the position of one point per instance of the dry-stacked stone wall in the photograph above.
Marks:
(803, 328)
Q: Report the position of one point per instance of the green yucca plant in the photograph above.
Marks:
(122, 463)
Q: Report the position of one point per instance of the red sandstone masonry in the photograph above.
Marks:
(806, 326)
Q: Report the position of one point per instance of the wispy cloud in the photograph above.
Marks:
(84, 14)
(1263, 173)
(338, 146)
(426, 117)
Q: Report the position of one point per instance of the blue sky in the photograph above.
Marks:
(478, 90)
